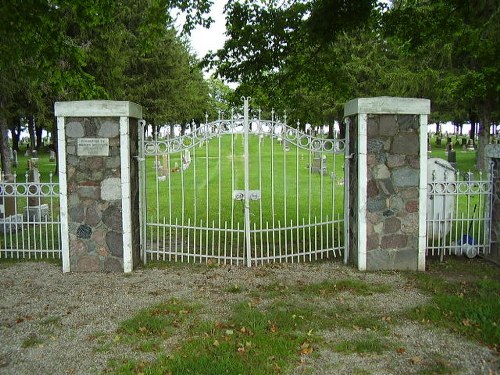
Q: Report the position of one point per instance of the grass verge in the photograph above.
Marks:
(268, 334)
(465, 298)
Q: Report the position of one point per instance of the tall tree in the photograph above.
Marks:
(450, 48)
(72, 50)
(282, 52)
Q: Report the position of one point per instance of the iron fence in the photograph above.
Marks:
(29, 217)
(458, 212)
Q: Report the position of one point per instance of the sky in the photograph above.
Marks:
(203, 40)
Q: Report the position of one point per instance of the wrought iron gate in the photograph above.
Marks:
(242, 191)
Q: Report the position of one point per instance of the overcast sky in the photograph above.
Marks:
(204, 40)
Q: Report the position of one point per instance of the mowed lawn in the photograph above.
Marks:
(286, 189)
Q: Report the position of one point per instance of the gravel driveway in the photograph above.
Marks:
(48, 319)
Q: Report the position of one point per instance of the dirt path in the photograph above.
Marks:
(49, 321)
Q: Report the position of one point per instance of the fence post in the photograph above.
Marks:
(387, 182)
(98, 178)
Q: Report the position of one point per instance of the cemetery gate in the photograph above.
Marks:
(242, 190)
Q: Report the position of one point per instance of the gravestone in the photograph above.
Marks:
(52, 157)
(319, 164)
(452, 158)
(14, 158)
(10, 222)
(36, 210)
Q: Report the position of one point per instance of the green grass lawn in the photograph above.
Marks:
(204, 191)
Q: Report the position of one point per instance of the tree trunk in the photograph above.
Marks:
(15, 132)
(31, 131)
(39, 139)
(4, 149)
(483, 140)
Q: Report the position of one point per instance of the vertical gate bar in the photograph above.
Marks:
(232, 186)
(291, 240)
(213, 239)
(164, 239)
(309, 187)
(304, 238)
(285, 191)
(254, 236)
(195, 195)
(201, 243)
(207, 190)
(168, 197)
(247, 183)
(238, 244)
(280, 249)
(334, 187)
(327, 230)
(297, 148)
(315, 238)
(273, 130)
(260, 134)
(157, 191)
(177, 255)
(224, 257)
(267, 239)
(188, 244)
(219, 132)
(183, 202)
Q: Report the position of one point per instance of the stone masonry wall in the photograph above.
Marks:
(94, 197)
(392, 191)
(492, 155)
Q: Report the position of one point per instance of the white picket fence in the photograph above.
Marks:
(29, 218)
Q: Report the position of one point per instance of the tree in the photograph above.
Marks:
(75, 50)
(454, 42)
(282, 53)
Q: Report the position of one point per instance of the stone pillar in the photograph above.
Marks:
(98, 177)
(492, 160)
(387, 182)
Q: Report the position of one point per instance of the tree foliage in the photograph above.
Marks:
(54, 50)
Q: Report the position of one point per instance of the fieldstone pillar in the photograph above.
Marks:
(492, 160)
(387, 182)
(98, 178)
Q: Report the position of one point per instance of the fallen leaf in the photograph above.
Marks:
(400, 350)
(415, 360)
(229, 332)
(216, 343)
(306, 348)
(241, 349)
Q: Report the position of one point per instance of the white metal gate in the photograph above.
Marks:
(242, 191)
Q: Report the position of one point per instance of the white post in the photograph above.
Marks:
(63, 199)
(247, 184)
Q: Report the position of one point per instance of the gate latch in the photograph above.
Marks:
(253, 195)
